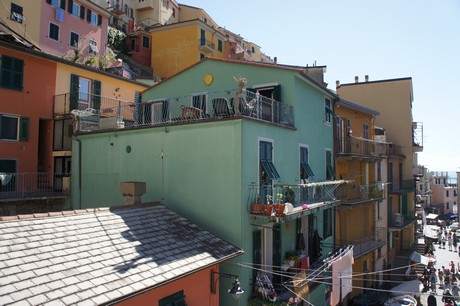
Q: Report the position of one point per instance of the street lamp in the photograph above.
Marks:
(236, 291)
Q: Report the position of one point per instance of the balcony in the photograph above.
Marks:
(405, 186)
(212, 106)
(116, 7)
(33, 185)
(400, 220)
(144, 5)
(352, 146)
(417, 136)
(352, 194)
(365, 244)
(305, 199)
(206, 45)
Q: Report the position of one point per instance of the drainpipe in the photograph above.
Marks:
(79, 172)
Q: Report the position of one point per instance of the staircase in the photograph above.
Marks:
(142, 71)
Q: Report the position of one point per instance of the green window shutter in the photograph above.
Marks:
(96, 94)
(74, 88)
(277, 93)
(24, 129)
(70, 6)
(12, 72)
(82, 12)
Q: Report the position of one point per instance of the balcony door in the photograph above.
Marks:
(84, 93)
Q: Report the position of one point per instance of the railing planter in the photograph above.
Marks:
(267, 209)
(256, 207)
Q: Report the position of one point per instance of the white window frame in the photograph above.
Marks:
(76, 6)
(70, 40)
(93, 19)
(305, 146)
(92, 43)
(49, 30)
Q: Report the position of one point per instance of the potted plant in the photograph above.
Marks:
(268, 207)
(256, 207)
(279, 208)
(291, 258)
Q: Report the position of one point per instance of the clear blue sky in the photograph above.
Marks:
(383, 39)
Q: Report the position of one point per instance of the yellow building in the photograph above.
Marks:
(358, 160)
(23, 17)
(180, 45)
(393, 100)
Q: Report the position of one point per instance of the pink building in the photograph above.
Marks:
(444, 195)
(71, 26)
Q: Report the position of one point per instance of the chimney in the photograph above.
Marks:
(356, 79)
(275, 59)
(337, 83)
(366, 78)
(132, 191)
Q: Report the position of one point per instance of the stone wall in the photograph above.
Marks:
(30, 206)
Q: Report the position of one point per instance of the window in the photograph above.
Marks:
(174, 12)
(53, 31)
(447, 193)
(219, 45)
(75, 9)
(327, 111)
(379, 171)
(14, 128)
(91, 17)
(57, 3)
(176, 299)
(12, 72)
(74, 38)
(93, 47)
(447, 205)
(16, 13)
(330, 173)
(253, 50)
(202, 56)
(269, 171)
(305, 170)
(327, 223)
(145, 42)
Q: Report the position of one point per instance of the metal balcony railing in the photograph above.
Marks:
(417, 136)
(360, 146)
(355, 194)
(25, 185)
(366, 243)
(206, 45)
(403, 186)
(219, 105)
(401, 220)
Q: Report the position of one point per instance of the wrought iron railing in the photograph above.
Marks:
(191, 108)
(403, 186)
(353, 193)
(206, 44)
(365, 243)
(351, 145)
(23, 185)
(400, 219)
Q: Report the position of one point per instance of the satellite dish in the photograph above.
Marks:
(5, 178)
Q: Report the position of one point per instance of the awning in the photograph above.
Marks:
(417, 257)
(431, 216)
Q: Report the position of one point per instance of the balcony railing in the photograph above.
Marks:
(26, 185)
(304, 198)
(365, 244)
(192, 108)
(401, 220)
(405, 186)
(356, 194)
(116, 7)
(417, 136)
(358, 146)
(206, 45)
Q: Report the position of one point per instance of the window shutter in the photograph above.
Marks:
(62, 4)
(24, 129)
(48, 1)
(74, 88)
(277, 93)
(88, 15)
(96, 94)
(70, 6)
(99, 20)
(82, 12)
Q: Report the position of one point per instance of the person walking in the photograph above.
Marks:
(452, 267)
(433, 281)
(449, 242)
(441, 277)
(443, 242)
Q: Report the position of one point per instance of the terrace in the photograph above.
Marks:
(95, 113)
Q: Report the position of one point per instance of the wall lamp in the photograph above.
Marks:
(236, 291)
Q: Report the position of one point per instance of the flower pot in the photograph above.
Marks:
(256, 208)
(267, 209)
(279, 209)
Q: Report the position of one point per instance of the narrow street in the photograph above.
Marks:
(443, 258)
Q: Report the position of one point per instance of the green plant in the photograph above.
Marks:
(279, 197)
(269, 198)
(292, 256)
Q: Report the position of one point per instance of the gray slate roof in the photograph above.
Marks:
(95, 256)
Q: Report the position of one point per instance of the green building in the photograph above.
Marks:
(212, 140)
